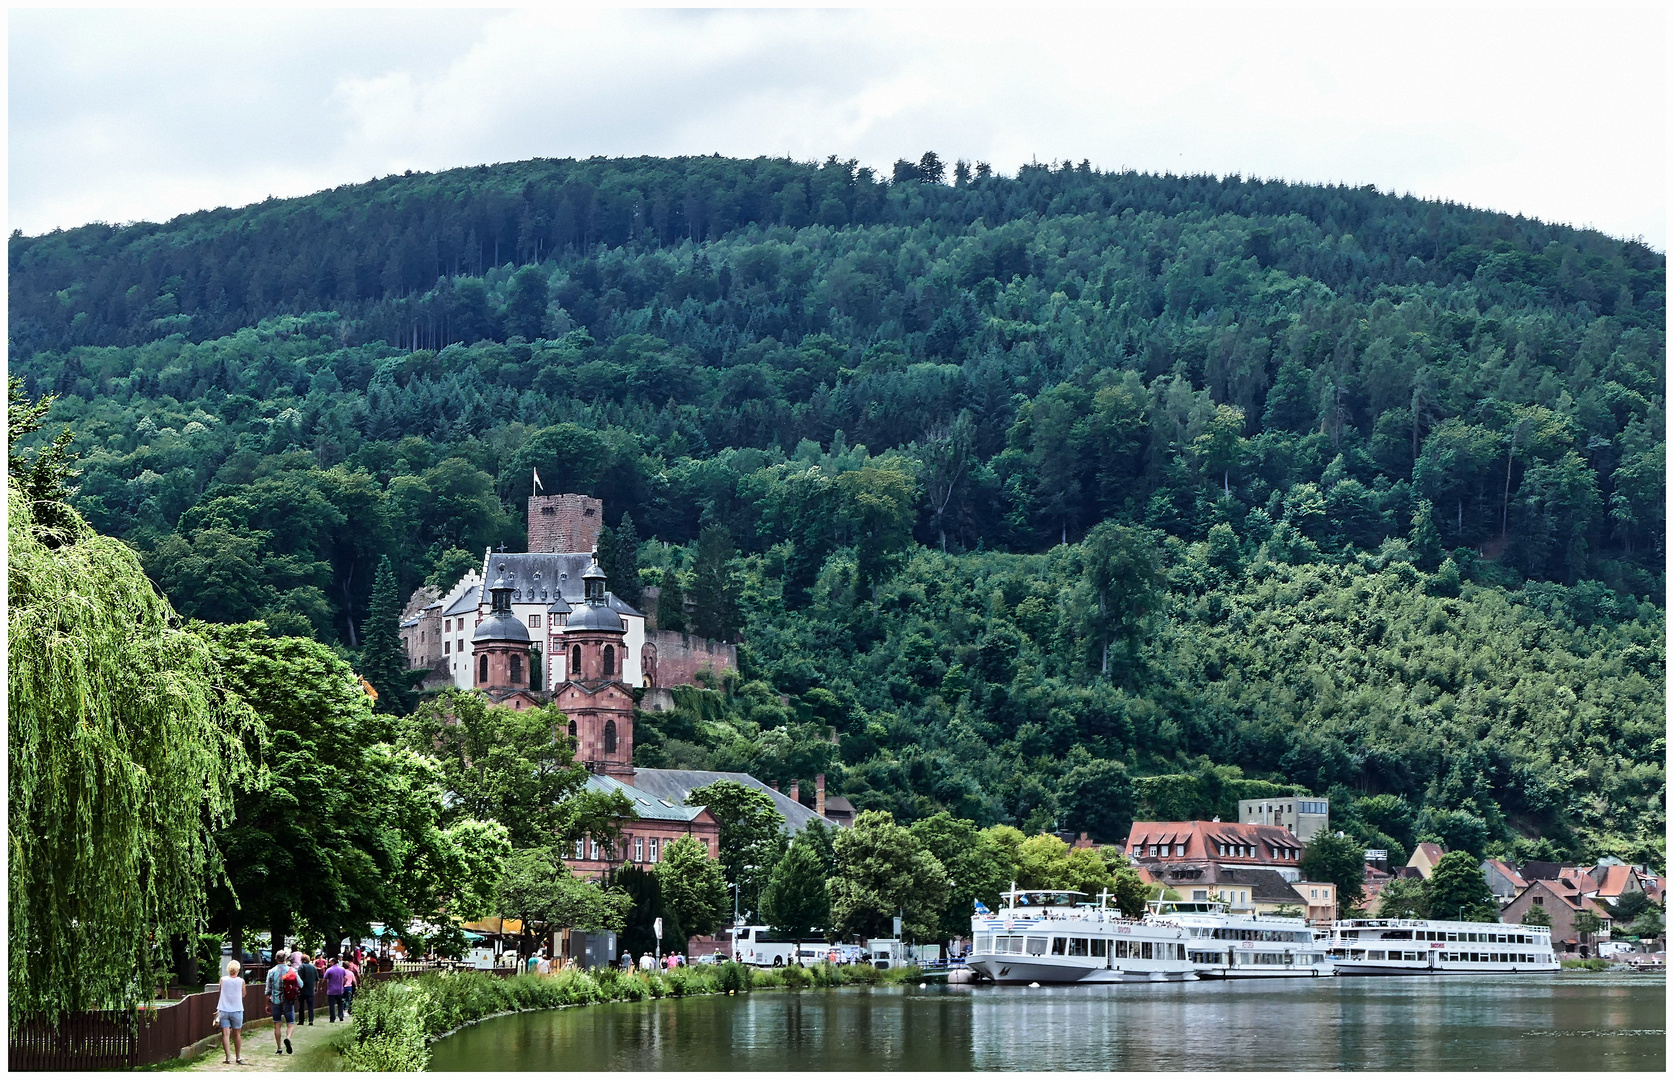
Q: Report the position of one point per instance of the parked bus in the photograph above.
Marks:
(761, 947)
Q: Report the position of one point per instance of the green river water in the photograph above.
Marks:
(1566, 1021)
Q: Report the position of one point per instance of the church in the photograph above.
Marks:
(542, 627)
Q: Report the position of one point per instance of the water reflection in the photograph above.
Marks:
(1460, 1022)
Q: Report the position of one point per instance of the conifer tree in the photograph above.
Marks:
(671, 603)
(624, 574)
(714, 585)
(383, 661)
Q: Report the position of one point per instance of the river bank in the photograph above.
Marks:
(396, 1022)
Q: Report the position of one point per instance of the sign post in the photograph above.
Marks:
(657, 925)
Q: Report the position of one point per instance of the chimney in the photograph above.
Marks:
(796, 791)
(819, 794)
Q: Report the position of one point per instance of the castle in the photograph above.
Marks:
(541, 626)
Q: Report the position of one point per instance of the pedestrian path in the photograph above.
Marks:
(315, 1045)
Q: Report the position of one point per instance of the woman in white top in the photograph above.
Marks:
(230, 1005)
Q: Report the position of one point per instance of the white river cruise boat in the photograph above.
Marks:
(1438, 947)
(1045, 936)
(1222, 945)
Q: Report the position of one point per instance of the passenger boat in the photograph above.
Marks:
(1046, 936)
(1440, 947)
(1222, 945)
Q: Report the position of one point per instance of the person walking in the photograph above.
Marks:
(334, 976)
(627, 961)
(351, 979)
(229, 1008)
(647, 962)
(282, 1003)
(309, 976)
(544, 965)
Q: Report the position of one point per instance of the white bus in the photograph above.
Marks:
(761, 947)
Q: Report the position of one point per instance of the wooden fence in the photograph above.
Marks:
(157, 1033)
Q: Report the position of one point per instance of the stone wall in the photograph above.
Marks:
(563, 523)
(671, 658)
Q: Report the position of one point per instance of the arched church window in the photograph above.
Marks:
(516, 669)
(609, 661)
(610, 734)
(575, 661)
(482, 668)
(572, 729)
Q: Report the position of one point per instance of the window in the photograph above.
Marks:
(482, 669)
(447, 647)
(1035, 946)
(1100, 946)
(639, 849)
(1145, 950)
(459, 645)
(516, 669)
(581, 849)
(534, 622)
(653, 849)
(1057, 946)
(1179, 849)
(610, 661)
(982, 943)
(572, 729)
(610, 734)
(1136, 849)
(447, 624)
(575, 661)
(593, 849)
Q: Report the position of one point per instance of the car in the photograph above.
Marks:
(713, 958)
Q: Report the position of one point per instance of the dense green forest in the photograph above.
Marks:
(1056, 498)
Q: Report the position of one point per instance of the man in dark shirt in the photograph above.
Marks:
(310, 976)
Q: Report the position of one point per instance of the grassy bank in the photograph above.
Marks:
(1589, 964)
(396, 1021)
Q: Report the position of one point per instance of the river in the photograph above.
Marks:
(1567, 1021)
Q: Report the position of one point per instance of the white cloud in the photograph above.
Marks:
(1552, 112)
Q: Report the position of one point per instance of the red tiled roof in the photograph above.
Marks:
(1511, 875)
(1616, 879)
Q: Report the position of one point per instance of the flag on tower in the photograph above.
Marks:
(538, 488)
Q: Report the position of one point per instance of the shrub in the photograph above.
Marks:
(389, 1032)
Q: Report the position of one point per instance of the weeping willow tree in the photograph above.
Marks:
(123, 751)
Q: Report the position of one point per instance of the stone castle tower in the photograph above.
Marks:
(599, 704)
(564, 522)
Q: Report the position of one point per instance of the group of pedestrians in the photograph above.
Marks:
(647, 962)
(542, 964)
(292, 985)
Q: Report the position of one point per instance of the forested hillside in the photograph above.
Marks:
(1048, 494)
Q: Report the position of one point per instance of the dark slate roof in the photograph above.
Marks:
(675, 784)
(1266, 886)
(545, 576)
(646, 805)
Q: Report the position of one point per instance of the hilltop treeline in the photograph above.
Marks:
(854, 378)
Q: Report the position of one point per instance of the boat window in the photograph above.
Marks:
(1057, 946)
(983, 943)
(1145, 951)
(1099, 946)
(1035, 946)
(1077, 946)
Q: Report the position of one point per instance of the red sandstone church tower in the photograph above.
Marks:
(500, 651)
(599, 704)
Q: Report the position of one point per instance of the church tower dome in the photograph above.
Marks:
(500, 644)
(599, 704)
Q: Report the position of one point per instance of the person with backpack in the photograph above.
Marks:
(334, 976)
(309, 975)
(283, 988)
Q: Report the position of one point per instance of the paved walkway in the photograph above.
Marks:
(312, 1043)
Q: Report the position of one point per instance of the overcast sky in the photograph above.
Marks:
(1557, 112)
